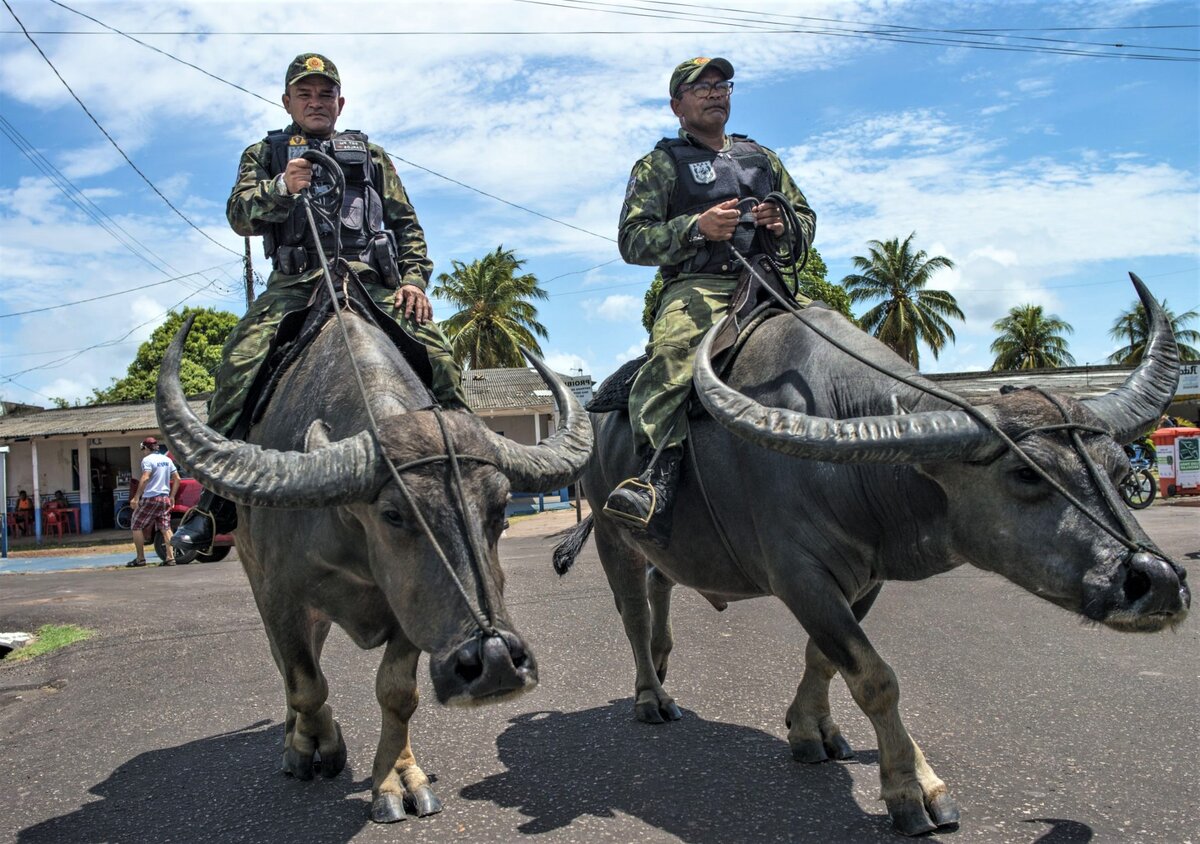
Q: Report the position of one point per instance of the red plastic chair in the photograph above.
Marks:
(52, 521)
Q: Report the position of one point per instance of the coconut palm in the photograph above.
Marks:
(1031, 339)
(495, 313)
(1133, 329)
(909, 313)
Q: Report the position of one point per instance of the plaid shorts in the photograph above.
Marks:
(153, 511)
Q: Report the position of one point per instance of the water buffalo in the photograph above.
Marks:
(828, 476)
(402, 556)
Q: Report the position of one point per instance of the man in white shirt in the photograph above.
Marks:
(152, 502)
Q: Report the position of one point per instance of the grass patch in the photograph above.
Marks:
(49, 638)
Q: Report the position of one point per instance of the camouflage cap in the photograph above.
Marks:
(311, 64)
(690, 71)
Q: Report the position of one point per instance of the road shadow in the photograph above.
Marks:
(702, 781)
(223, 788)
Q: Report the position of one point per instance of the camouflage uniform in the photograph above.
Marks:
(690, 303)
(253, 205)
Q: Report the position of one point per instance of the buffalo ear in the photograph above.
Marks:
(317, 435)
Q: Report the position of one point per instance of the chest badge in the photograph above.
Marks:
(703, 172)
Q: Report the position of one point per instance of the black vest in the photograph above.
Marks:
(362, 208)
(704, 177)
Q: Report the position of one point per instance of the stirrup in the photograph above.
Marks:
(191, 513)
(629, 518)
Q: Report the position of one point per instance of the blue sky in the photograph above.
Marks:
(1045, 177)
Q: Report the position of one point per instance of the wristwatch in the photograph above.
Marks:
(693, 234)
(280, 186)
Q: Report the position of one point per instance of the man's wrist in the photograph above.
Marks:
(693, 235)
(279, 186)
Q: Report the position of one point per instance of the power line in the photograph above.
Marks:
(117, 146)
(280, 105)
(119, 292)
(78, 197)
(894, 34)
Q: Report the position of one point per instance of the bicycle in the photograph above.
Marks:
(1138, 488)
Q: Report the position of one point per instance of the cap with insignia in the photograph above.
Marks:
(690, 71)
(311, 64)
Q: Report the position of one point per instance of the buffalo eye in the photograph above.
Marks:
(393, 517)
(1026, 475)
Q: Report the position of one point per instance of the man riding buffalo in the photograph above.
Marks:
(376, 230)
(683, 211)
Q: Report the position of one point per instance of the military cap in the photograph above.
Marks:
(311, 64)
(690, 71)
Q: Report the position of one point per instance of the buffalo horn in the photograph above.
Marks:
(346, 470)
(925, 437)
(1136, 406)
(557, 460)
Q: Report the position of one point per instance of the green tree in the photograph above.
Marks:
(201, 357)
(814, 285)
(909, 313)
(496, 314)
(810, 282)
(1031, 339)
(1133, 329)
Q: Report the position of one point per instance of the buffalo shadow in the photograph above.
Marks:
(701, 781)
(222, 788)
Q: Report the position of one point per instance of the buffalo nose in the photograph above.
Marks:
(1155, 580)
(494, 664)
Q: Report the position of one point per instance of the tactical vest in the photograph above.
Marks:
(703, 178)
(362, 208)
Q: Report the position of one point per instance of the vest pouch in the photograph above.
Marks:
(353, 212)
(290, 260)
(381, 255)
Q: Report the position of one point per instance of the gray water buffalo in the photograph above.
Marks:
(402, 556)
(827, 476)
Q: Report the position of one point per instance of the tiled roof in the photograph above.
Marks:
(85, 421)
(509, 389)
(1077, 381)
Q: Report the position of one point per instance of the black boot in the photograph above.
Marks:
(644, 504)
(211, 515)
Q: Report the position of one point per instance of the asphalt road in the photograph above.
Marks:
(167, 725)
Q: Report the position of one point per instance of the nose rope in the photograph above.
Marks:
(484, 624)
(1073, 428)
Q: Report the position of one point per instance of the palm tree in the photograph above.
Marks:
(1030, 339)
(495, 314)
(1133, 328)
(908, 313)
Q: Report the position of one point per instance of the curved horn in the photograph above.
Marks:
(927, 437)
(1138, 404)
(346, 470)
(556, 461)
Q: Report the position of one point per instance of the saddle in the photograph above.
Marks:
(299, 328)
(750, 306)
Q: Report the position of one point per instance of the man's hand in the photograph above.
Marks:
(720, 221)
(411, 301)
(298, 175)
(770, 215)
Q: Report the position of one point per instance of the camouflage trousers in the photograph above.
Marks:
(250, 340)
(687, 308)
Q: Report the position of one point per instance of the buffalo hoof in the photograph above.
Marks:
(297, 764)
(909, 818)
(425, 802)
(838, 748)
(333, 759)
(652, 710)
(388, 807)
(944, 811)
(809, 751)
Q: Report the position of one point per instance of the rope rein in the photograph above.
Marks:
(1072, 429)
(483, 617)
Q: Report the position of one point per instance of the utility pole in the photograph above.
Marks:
(249, 267)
